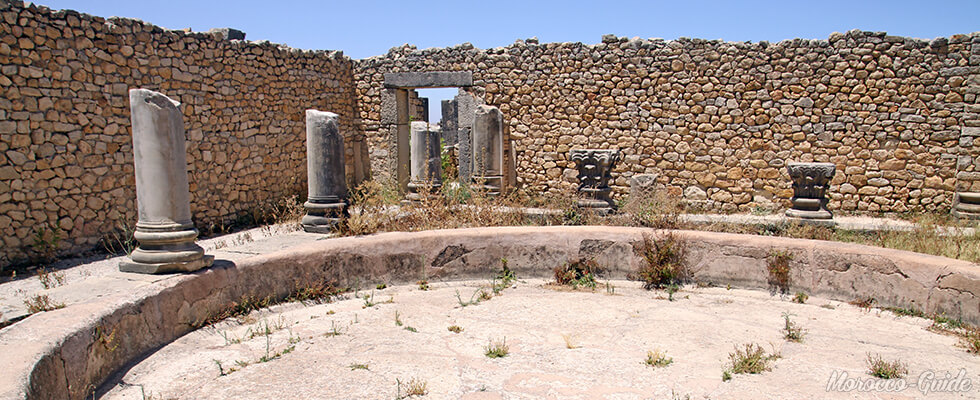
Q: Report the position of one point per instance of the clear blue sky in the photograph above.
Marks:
(364, 28)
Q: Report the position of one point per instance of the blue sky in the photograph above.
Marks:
(365, 28)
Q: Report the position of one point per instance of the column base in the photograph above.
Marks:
(596, 199)
(488, 185)
(129, 265)
(966, 205)
(417, 191)
(809, 214)
(323, 217)
(826, 223)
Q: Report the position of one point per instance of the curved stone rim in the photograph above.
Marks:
(57, 354)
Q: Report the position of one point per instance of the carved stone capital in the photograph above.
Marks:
(810, 184)
(594, 172)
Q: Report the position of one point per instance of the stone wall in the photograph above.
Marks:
(718, 121)
(66, 160)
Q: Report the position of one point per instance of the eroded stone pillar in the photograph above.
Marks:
(488, 149)
(402, 138)
(465, 111)
(426, 161)
(326, 202)
(594, 172)
(165, 232)
(810, 184)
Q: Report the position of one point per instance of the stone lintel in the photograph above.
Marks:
(428, 79)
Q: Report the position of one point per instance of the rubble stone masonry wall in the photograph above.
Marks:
(66, 158)
(718, 121)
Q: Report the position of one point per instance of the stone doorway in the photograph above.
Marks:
(400, 104)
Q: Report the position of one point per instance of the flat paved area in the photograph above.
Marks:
(88, 278)
(315, 350)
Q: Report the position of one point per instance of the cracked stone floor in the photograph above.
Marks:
(563, 344)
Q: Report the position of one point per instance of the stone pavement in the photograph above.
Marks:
(562, 344)
(92, 277)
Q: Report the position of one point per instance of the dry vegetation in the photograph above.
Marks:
(375, 208)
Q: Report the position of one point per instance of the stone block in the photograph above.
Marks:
(428, 79)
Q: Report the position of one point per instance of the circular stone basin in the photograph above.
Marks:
(562, 343)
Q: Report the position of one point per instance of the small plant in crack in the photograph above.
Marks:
(778, 265)
(415, 387)
(221, 368)
(749, 359)
(971, 341)
(791, 330)
(578, 273)
(50, 280)
(41, 303)
(358, 366)
(658, 358)
(107, 338)
(665, 262)
(455, 328)
(800, 297)
(570, 341)
(879, 368)
(504, 278)
(334, 330)
(369, 300)
(478, 296)
(865, 304)
(496, 348)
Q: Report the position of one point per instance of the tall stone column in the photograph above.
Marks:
(326, 201)
(594, 172)
(488, 149)
(426, 161)
(165, 232)
(810, 184)
(465, 111)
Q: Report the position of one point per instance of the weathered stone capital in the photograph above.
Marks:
(594, 172)
(816, 172)
(810, 184)
(594, 166)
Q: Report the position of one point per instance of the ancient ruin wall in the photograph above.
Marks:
(718, 121)
(66, 159)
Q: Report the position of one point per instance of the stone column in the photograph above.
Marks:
(488, 149)
(465, 111)
(326, 202)
(594, 172)
(810, 184)
(426, 161)
(402, 155)
(165, 232)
